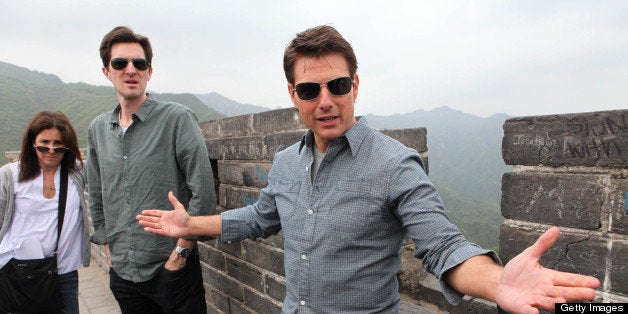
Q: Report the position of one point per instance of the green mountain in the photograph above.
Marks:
(464, 150)
(227, 106)
(24, 92)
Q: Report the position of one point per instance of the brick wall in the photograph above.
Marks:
(570, 171)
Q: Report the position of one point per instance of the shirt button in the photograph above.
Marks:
(302, 302)
(310, 211)
(124, 157)
(303, 256)
(307, 168)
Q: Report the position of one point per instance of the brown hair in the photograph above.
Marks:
(123, 34)
(317, 42)
(44, 120)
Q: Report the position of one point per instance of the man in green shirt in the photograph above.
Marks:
(137, 153)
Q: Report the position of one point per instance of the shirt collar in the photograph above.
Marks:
(142, 113)
(354, 136)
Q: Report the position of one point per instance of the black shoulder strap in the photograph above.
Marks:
(63, 193)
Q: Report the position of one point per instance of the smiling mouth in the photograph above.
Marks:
(327, 119)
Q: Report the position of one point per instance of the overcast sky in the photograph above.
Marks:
(528, 57)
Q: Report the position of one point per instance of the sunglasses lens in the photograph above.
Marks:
(138, 63)
(340, 86)
(308, 91)
(119, 63)
(45, 149)
(141, 64)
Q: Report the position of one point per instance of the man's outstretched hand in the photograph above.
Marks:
(525, 286)
(172, 223)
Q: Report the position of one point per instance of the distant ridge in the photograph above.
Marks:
(228, 107)
(24, 92)
(464, 150)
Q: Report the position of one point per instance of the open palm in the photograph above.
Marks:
(171, 223)
(525, 286)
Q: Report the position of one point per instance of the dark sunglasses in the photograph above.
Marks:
(310, 90)
(45, 149)
(138, 63)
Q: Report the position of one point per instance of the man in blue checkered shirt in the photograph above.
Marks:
(346, 195)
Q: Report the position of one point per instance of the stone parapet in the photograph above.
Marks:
(570, 171)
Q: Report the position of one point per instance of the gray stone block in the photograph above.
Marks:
(619, 267)
(234, 249)
(276, 287)
(583, 139)
(573, 252)
(260, 303)
(232, 196)
(571, 200)
(211, 256)
(220, 281)
(249, 174)
(217, 299)
(245, 273)
(264, 256)
(280, 120)
(415, 138)
(237, 148)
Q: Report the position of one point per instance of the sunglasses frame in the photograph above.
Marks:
(320, 87)
(56, 150)
(135, 61)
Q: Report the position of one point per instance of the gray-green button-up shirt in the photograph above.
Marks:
(161, 151)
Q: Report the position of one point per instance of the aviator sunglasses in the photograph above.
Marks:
(138, 63)
(45, 149)
(310, 90)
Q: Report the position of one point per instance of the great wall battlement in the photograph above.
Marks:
(569, 171)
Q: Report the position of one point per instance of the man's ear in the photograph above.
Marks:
(105, 71)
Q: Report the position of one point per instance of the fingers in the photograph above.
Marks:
(544, 242)
(174, 201)
(150, 212)
(151, 222)
(574, 280)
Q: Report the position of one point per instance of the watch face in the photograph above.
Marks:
(183, 252)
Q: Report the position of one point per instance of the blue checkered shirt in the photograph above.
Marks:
(343, 232)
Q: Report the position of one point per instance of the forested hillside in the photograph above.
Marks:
(24, 92)
(464, 150)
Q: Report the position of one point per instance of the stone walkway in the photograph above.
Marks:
(94, 294)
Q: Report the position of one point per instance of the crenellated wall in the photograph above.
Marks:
(569, 171)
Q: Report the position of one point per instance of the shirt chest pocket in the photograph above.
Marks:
(357, 205)
(286, 199)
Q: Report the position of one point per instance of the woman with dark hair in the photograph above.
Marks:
(29, 201)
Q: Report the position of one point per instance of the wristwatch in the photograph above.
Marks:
(183, 252)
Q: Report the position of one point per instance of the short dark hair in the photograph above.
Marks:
(123, 34)
(44, 120)
(317, 42)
